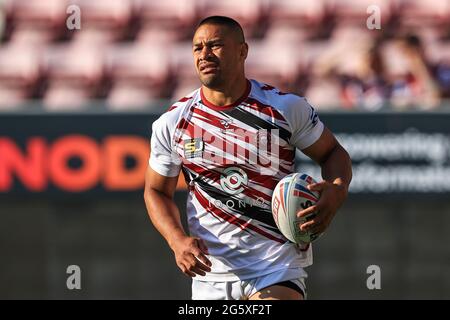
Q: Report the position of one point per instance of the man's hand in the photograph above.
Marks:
(337, 171)
(190, 256)
(189, 252)
(332, 196)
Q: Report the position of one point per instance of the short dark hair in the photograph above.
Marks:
(225, 21)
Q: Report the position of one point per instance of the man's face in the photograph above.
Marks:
(218, 55)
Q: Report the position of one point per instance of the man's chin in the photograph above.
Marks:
(211, 81)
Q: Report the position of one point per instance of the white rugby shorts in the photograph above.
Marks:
(244, 289)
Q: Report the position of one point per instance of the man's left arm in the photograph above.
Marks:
(337, 173)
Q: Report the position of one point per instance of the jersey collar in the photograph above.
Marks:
(232, 105)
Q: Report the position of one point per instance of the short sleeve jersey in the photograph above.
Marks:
(232, 157)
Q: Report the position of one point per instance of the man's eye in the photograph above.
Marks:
(197, 49)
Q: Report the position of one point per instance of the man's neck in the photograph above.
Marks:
(228, 95)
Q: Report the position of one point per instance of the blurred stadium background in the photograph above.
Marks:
(75, 120)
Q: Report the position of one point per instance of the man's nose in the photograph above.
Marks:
(205, 53)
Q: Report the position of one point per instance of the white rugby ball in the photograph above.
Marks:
(289, 197)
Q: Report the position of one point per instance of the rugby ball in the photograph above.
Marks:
(289, 197)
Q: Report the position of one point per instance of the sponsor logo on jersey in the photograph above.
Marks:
(193, 148)
(233, 180)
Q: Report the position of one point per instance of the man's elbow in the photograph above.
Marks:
(147, 194)
(346, 156)
(150, 200)
(151, 193)
(347, 162)
(336, 153)
(147, 198)
(339, 155)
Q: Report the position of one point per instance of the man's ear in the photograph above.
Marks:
(244, 50)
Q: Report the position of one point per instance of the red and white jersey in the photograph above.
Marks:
(232, 157)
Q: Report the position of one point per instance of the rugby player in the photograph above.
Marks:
(215, 135)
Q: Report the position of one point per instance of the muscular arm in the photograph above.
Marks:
(337, 174)
(165, 216)
(161, 208)
(333, 159)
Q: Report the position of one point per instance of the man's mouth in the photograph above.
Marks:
(208, 68)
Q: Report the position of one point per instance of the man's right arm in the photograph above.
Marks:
(165, 216)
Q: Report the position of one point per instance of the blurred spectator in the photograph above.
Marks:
(442, 71)
(367, 88)
(352, 63)
(410, 76)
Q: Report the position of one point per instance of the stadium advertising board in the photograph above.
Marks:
(393, 153)
(108, 153)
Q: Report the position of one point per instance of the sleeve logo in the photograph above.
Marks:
(313, 116)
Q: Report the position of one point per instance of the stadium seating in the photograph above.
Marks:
(74, 73)
(248, 13)
(278, 68)
(19, 74)
(131, 53)
(171, 14)
(104, 20)
(36, 21)
(138, 74)
(296, 13)
(419, 13)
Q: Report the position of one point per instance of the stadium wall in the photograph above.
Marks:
(71, 194)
